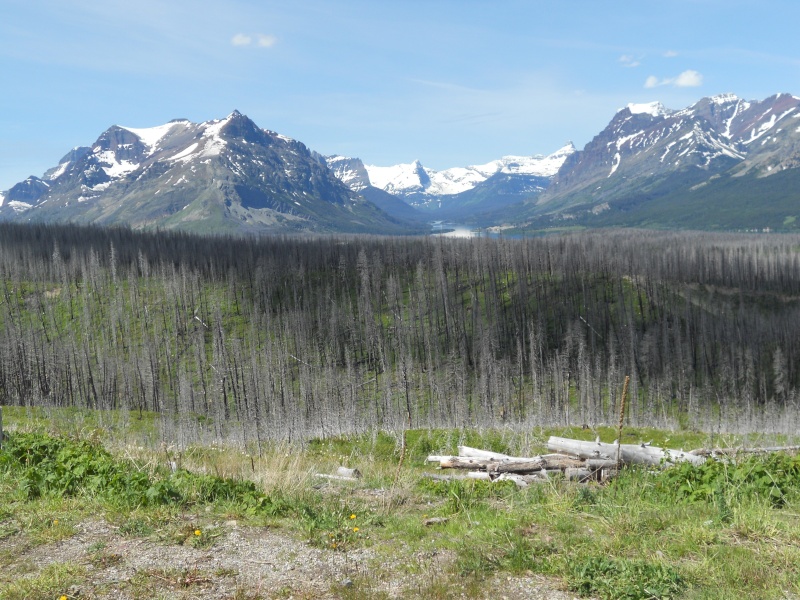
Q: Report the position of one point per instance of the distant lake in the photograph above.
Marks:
(447, 229)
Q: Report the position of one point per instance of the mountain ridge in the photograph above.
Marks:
(231, 175)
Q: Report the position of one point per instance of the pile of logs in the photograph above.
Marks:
(576, 460)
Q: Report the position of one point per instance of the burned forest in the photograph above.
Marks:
(255, 339)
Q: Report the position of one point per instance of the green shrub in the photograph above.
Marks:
(46, 465)
(623, 579)
(772, 477)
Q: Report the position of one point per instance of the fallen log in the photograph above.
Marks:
(517, 467)
(469, 475)
(549, 462)
(461, 462)
(466, 451)
(629, 454)
(334, 477)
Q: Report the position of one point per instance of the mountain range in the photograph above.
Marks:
(723, 163)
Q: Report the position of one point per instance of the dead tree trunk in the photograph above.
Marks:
(629, 454)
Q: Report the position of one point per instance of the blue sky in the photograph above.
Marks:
(448, 82)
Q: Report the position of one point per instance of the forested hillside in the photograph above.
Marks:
(286, 337)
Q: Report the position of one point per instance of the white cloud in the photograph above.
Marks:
(629, 61)
(261, 40)
(266, 41)
(240, 39)
(670, 54)
(689, 78)
(652, 82)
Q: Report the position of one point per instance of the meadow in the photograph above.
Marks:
(723, 530)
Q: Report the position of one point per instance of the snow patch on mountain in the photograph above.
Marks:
(741, 106)
(150, 136)
(615, 164)
(757, 133)
(654, 109)
(60, 170)
(212, 134)
(115, 168)
(18, 206)
(186, 154)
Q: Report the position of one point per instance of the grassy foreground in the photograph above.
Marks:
(720, 531)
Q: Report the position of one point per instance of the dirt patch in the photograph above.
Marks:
(251, 563)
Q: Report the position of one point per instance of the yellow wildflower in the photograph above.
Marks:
(197, 532)
(355, 529)
(352, 517)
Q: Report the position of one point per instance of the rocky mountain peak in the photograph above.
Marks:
(221, 175)
(350, 171)
(239, 126)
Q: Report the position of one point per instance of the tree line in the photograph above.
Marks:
(294, 337)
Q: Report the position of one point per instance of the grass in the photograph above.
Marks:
(719, 532)
(46, 584)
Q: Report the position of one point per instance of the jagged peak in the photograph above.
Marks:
(724, 98)
(566, 149)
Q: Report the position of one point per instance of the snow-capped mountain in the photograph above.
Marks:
(413, 178)
(648, 152)
(649, 142)
(222, 175)
(462, 190)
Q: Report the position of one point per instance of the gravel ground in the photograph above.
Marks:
(248, 563)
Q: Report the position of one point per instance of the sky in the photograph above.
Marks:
(447, 82)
